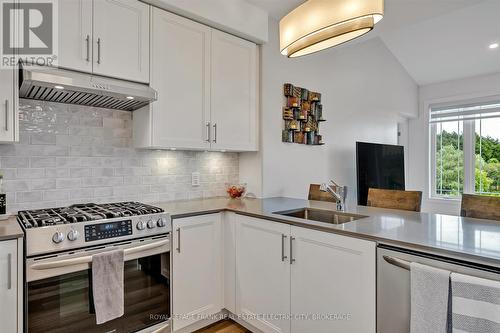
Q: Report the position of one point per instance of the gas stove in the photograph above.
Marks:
(84, 225)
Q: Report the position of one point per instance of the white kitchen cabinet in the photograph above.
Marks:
(332, 275)
(180, 63)
(9, 115)
(207, 89)
(229, 261)
(262, 273)
(75, 35)
(196, 268)
(121, 39)
(234, 93)
(11, 286)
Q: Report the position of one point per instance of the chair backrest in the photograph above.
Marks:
(394, 199)
(480, 206)
(316, 194)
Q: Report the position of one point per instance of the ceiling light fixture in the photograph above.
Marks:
(130, 97)
(59, 87)
(320, 24)
(494, 46)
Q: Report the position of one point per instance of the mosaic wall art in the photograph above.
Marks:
(302, 114)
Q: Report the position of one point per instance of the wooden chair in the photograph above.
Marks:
(316, 194)
(480, 206)
(394, 199)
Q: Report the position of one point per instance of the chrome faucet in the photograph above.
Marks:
(338, 192)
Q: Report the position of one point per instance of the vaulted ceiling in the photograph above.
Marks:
(435, 40)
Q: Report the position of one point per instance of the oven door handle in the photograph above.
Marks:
(88, 259)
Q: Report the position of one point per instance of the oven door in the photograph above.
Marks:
(59, 290)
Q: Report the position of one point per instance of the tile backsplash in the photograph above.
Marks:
(70, 154)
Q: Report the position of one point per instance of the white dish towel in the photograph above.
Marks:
(429, 299)
(107, 285)
(475, 304)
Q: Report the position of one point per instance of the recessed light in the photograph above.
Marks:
(130, 97)
(59, 87)
(173, 149)
(494, 46)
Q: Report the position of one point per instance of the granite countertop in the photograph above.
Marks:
(10, 229)
(458, 237)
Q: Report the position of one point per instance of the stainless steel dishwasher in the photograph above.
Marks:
(393, 283)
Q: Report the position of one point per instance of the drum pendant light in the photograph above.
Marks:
(320, 24)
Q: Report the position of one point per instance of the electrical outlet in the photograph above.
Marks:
(195, 179)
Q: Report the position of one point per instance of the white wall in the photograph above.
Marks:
(231, 16)
(364, 89)
(450, 91)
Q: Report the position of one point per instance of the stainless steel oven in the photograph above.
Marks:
(59, 289)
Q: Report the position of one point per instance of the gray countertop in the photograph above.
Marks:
(10, 229)
(462, 238)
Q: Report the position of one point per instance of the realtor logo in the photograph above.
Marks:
(29, 32)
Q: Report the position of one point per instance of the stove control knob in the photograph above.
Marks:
(73, 235)
(162, 222)
(141, 225)
(58, 237)
(151, 224)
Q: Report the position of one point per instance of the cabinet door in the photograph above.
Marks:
(9, 122)
(181, 75)
(121, 39)
(234, 93)
(332, 275)
(263, 273)
(75, 35)
(8, 286)
(196, 270)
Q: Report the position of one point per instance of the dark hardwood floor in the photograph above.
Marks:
(224, 326)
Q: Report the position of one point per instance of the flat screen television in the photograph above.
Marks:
(379, 166)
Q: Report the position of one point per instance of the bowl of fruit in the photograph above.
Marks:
(236, 191)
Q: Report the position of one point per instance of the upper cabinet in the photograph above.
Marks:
(75, 37)
(207, 84)
(9, 131)
(105, 37)
(180, 59)
(121, 39)
(234, 92)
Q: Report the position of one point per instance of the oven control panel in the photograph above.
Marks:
(100, 231)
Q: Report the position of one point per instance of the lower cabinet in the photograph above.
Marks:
(333, 283)
(196, 268)
(263, 273)
(11, 286)
(292, 279)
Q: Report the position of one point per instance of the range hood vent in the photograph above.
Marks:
(64, 86)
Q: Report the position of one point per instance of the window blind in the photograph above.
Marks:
(469, 111)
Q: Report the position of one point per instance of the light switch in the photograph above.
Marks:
(195, 179)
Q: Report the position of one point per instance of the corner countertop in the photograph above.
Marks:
(10, 229)
(455, 236)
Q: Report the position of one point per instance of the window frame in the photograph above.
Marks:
(469, 143)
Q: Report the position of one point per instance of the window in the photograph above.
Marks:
(465, 149)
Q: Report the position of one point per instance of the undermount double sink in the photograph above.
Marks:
(322, 215)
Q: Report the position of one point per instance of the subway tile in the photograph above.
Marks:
(79, 172)
(15, 185)
(57, 172)
(68, 182)
(29, 173)
(56, 195)
(14, 162)
(42, 162)
(29, 196)
(43, 139)
(43, 184)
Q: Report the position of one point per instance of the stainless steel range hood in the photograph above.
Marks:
(64, 86)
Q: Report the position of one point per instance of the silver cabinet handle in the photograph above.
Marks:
(283, 238)
(99, 50)
(9, 271)
(215, 133)
(292, 259)
(178, 240)
(88, 48)
(208, 133)
(6, 115)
